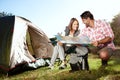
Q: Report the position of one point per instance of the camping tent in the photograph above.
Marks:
(20, 39)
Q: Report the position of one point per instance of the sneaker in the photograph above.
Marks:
(51, 67)
(62, 66)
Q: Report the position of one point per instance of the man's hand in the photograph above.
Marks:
(95, 43)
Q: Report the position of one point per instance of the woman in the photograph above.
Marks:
(71, 30)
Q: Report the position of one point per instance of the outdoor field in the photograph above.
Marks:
(96, 72)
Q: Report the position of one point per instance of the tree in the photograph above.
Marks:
(115, 24)
(2, 14)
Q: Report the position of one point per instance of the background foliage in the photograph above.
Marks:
(2, 14)
(115, 24)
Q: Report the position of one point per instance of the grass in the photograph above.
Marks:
(110, 72)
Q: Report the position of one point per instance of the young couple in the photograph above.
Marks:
(98, 31)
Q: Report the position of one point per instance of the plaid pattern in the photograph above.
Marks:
(99, 32)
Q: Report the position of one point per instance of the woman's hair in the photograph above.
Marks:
(71, 23)
(87, 14)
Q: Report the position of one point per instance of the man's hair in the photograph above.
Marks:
(87, 14)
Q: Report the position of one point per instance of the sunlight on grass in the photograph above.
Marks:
(96, 72)
(94, 63)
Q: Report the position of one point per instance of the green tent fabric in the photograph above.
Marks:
(20, 39)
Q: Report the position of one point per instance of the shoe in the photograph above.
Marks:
(62, 66)
(51, 67)
(104, 63)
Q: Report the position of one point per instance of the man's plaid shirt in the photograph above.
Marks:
(101, 30)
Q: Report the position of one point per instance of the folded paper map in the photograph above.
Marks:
(83, 40)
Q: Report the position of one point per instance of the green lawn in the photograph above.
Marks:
(111, 72)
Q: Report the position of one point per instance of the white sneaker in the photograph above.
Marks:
(62, 66)
(51, 67)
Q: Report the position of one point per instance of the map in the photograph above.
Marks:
(83, 40)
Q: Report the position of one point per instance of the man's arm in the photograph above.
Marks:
(103, 41)
(107, 32)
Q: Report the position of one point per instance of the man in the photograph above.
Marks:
(101, 35)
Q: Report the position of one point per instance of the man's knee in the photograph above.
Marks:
(104, 55)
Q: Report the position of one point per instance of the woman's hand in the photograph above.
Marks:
(60, 43)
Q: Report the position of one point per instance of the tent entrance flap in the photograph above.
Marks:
(39, 42)
(29, 45)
